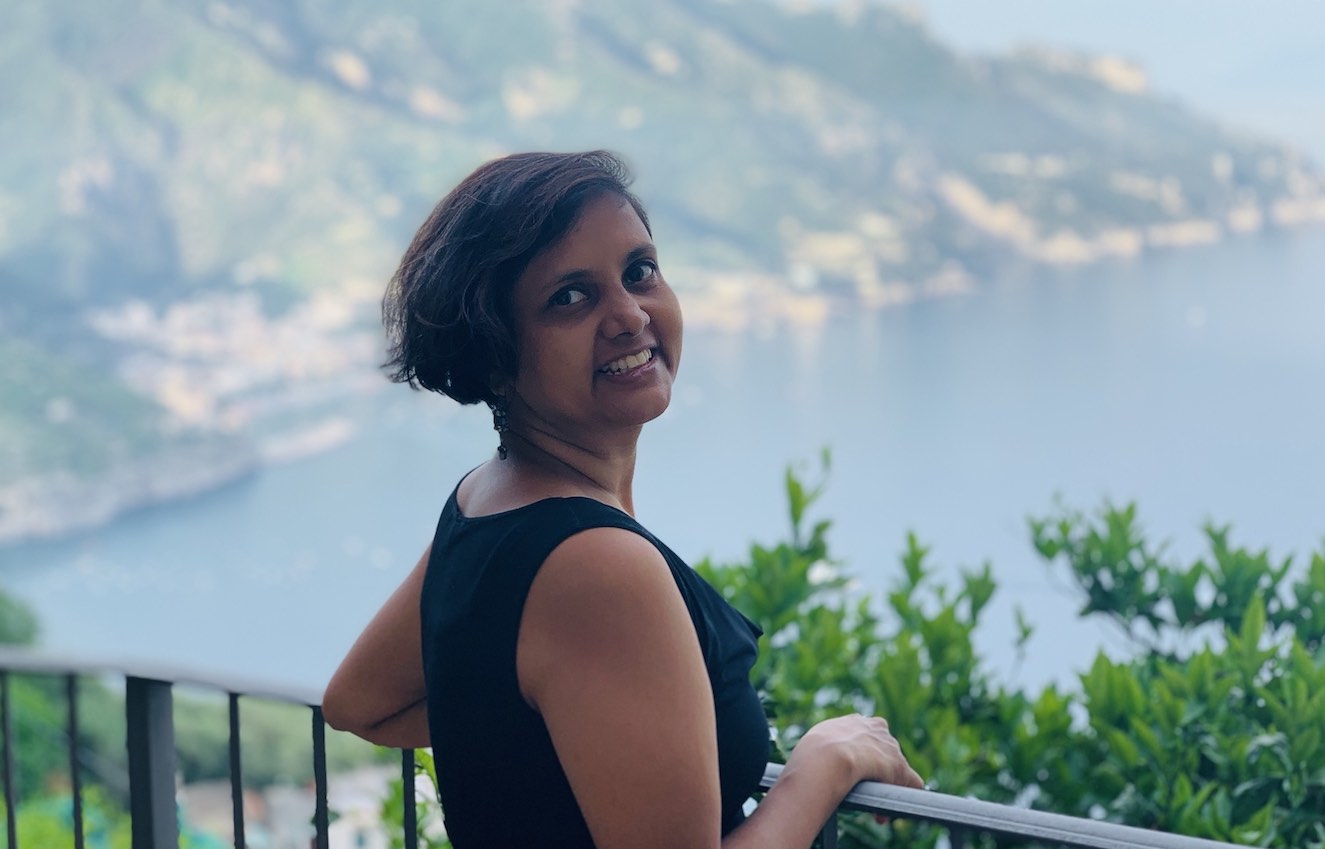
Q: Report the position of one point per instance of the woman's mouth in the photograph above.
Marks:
(628, 362)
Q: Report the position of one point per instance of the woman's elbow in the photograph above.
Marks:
(332, 715)
(403, 729)
(340, 712)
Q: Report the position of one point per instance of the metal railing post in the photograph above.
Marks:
(150, 737)
(411, 818)
(7, 730)
(321, 816)
(236, 775)
(828, 834)
(75, 779)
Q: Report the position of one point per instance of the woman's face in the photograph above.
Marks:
(599, 328)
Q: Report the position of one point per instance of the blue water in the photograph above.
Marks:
(1193, 383)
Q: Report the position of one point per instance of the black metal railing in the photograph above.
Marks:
(150, 740)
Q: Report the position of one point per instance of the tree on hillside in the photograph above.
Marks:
(18, 624)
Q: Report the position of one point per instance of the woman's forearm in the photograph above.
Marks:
(793, 812)
(378, 690)
(407, 729)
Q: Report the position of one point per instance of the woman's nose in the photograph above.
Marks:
(625, 315)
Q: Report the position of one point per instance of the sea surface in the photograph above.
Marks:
(1192, 382)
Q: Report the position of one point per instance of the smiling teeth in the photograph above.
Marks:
(626, 363)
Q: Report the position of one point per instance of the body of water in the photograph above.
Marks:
(1193, 383)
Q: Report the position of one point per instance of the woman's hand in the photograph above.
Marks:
(832, 758)
(859, 748)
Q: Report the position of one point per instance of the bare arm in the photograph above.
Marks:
(608, 655)
(378, 691)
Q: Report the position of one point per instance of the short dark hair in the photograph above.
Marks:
(448, 311)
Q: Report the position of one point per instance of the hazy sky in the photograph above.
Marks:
(1258, 64)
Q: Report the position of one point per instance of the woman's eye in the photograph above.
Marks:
(640, 272)
(567, 297)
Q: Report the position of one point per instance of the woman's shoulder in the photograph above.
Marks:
(602, 550)
(499, 541)
(589, 535)
(603, 589)
(508, 547)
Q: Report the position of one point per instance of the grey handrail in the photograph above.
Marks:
(955, 812)
(150, 738)
(42, 662)
(975, 815)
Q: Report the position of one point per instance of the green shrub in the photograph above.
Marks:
(1214, 727)
(47, 821)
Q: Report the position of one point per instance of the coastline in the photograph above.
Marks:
(61, 504)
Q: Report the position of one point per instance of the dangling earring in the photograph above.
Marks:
(500, 409)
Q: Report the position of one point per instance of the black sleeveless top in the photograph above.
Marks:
(499, 779)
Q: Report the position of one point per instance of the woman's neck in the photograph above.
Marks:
(543, 460)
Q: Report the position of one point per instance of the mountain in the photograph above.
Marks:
(200, 200)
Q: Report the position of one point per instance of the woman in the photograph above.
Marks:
(579, 684)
